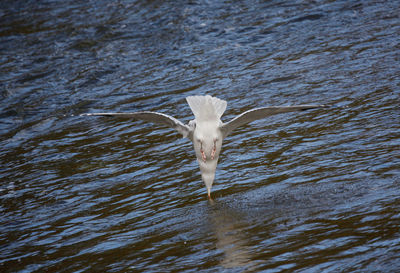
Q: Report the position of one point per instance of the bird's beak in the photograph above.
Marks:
(209, 193)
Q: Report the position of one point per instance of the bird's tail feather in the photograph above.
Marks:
(206, 107)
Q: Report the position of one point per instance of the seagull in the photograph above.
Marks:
(207, 131)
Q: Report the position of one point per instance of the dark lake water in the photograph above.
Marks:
(315, 191)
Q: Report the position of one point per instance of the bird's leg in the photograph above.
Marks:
(214, 150)
(203, 154)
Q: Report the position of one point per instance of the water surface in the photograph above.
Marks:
(315, 191)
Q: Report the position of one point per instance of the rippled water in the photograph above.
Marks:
(315, 191)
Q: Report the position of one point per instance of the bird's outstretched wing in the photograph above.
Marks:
(262, 112)
(152, 117)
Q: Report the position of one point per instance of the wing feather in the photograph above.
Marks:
(259, 113)
(153, 117)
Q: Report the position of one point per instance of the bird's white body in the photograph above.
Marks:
(207, 135)
(207, 131)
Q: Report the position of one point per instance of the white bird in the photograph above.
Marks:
(207, 131)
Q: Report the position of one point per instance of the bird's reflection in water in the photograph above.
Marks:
(230, 229)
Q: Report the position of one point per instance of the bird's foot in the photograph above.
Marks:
(214, 150)
(203, 155)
